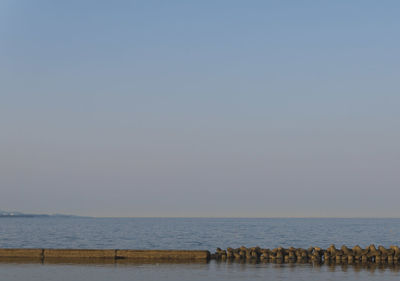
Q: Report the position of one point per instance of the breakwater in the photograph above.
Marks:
(343, 255)
(371, 254)
(105, 254)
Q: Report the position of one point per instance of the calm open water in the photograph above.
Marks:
(198, 233)
(194, 233)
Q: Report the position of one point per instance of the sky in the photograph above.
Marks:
(200, 108)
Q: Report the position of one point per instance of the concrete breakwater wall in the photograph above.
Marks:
(371, 254)
(343, 255)
(114, 254)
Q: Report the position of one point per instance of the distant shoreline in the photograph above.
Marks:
(22, 215)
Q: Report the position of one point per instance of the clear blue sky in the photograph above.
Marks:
(200, 108)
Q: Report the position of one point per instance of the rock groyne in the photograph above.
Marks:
(356, 254)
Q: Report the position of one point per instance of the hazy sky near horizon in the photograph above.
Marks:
(200, 108)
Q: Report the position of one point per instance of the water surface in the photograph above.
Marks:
(194, 233)
(183, 272)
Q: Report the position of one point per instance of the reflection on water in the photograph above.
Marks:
(99, 270)
(332, 266)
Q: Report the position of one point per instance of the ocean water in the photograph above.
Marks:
(194, 233)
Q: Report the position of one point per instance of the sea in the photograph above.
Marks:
(194, 233)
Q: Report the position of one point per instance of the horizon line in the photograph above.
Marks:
(237, 217)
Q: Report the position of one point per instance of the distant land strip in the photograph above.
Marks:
(5, 214)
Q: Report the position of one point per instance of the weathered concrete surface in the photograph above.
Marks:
(50, 255)
(146, 255)
(88, 261)
(21, 253)
(78, 254)
(158, 261)
(20, 260)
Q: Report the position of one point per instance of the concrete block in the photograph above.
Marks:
(146, 255)
(78, 254)
(21, 253)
